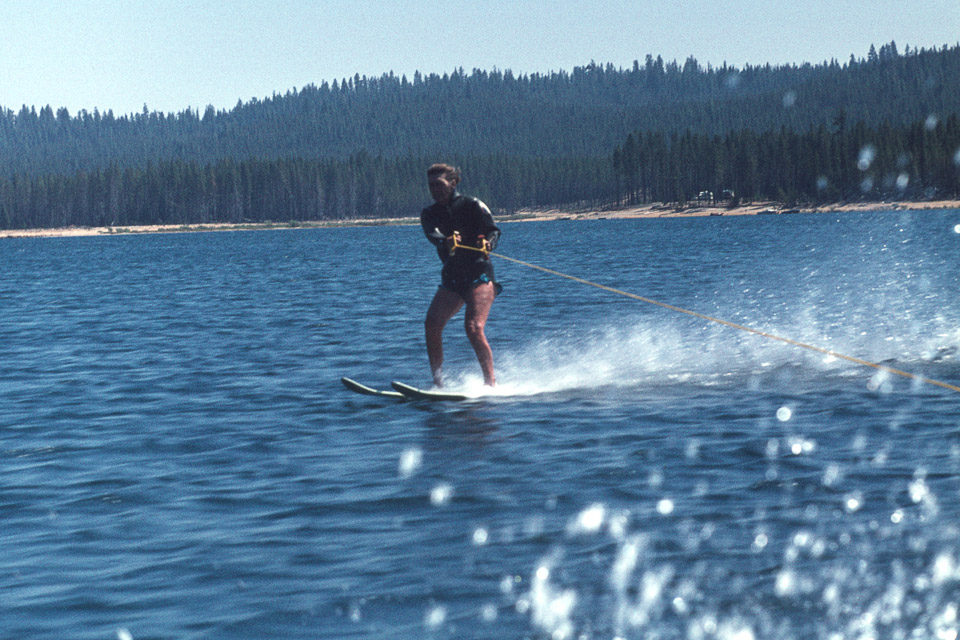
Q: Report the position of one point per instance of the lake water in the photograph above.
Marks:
(179, 459)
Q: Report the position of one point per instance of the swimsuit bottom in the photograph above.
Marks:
(462, 283)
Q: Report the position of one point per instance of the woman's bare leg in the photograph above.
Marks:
(445, 304)
(479, 301)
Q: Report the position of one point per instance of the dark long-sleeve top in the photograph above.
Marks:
(469, 216)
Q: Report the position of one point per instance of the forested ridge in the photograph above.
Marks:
(598, 134)
(915, 161)
(228, 191)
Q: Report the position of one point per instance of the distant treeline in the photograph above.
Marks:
(920, 160)
(916, 161)
(596, 136)
(583, 113)
(228, 191)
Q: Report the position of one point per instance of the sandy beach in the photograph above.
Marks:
(752, 209)
(526, 215)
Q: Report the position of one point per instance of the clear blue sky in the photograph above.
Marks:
(170, 55)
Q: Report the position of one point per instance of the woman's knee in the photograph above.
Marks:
(474, 328)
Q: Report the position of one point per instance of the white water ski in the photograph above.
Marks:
(363, 389)
(422, 394)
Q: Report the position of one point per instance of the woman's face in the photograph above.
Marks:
(441, 187)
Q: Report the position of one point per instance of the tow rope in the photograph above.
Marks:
(796, 343)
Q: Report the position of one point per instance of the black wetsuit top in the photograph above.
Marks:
(464, 269)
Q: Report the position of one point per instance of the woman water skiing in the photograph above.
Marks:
(453, 221)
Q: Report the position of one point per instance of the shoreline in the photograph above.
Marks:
(659, 210)
(656, 210)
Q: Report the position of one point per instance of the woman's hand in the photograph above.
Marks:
(483, 244)
(452, 242)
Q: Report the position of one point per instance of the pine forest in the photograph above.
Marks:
(886, 126)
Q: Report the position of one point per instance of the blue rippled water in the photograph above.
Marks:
(179, 460)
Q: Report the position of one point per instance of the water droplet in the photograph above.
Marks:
(590, 519)
(831, 594)
(931, 122)
(618, 525)
(435, 617)
(441, 494)
(410, 462)
(852, 502)
(944, 568)
(784, 414)
(789, 99)
(897, 516)
(489, 613)
(818, 549)
(773, 448)
(549, 607)
(879, 381)
(800, 446)
(950, 615)
(665, 507)
(701, 488)
(480, 536)
(123, 634)
(956, 229)
(823, 183)
(760, 542)
(791, 554)
(830, 475)
(786, 583)
(859, 443)
(625, 563)
(902, 181)
(867, 154)
(918, 490)
(737, 634)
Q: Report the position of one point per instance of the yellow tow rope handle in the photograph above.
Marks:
(485, 250)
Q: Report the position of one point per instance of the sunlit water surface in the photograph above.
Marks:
(179, 459)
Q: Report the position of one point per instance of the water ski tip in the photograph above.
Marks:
(363, 389)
